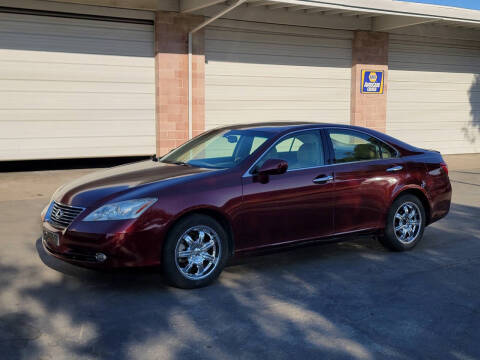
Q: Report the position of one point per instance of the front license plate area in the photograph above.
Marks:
(51, 238)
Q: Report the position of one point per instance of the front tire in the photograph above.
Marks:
(195, 252)
(405, 223)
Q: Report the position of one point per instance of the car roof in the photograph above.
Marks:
(286, 126)
(283, 127)
(275, 127)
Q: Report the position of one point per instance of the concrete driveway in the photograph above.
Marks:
(347, 301)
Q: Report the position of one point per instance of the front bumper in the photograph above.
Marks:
(140, 248)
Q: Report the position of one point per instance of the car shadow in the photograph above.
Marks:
(266, 258)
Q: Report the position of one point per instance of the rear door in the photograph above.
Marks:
(296, 205)
(366, 172)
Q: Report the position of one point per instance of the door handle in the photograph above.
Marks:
(322, 179)
(395, 168)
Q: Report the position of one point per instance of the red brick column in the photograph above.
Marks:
(370, 52)
(171, 79)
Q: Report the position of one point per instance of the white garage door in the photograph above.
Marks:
(75, 88)
(434, 94)
(264, 76)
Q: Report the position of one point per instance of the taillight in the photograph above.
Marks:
(444, 167)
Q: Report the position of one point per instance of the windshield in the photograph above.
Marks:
(218, 149)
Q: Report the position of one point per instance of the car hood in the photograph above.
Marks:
(89, 189)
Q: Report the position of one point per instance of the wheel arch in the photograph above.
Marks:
(421, 195)
(214, 213)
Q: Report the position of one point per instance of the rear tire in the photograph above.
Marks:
(195, 252)
(405, 224)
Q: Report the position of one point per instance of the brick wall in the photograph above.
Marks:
(171, 79)
(370, 52)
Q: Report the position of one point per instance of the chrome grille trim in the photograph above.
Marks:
(61, 216)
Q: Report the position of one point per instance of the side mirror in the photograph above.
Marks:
(273, 167)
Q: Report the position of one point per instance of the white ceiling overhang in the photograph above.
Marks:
(375, 15)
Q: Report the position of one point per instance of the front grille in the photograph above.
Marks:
(62, 216)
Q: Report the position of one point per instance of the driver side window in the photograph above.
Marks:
(300, 150)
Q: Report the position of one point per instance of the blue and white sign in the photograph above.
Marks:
(372, 82)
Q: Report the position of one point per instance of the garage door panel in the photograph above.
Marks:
(413, 47)
(221, 105)
(286, 113)
(398, 73)
(270, 81)
(432, 107)
(218, 46)
(280, 60)
(254, 93)
(69, 22)
(443, 68)
(431, 86)
(424, 55)
(262, 76)
(455, 134)
(432, 97)
(74, 72)
(90, 152)
(74, 142)
(49, 129)
(77, 87)
(74, 45)
(234, 38)
(53, 29)
(77, 149)
(82, 87)
(59, 100)
(460, 145)
(457, 61)
(65, 115)
(321, 71)
(422, 96)
(9, 55)
(402, 119)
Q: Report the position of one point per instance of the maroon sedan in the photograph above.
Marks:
(248, 187)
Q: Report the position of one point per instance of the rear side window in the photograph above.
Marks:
(350, 146)
(386, 151)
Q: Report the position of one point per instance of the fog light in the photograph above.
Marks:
(100, 257)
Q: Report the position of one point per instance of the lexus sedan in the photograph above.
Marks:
(245, 188)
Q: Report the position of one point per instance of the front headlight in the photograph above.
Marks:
(128, 209)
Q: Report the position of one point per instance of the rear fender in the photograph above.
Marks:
(419, 192)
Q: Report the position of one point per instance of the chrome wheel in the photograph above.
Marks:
(407, 222)
(197, 252)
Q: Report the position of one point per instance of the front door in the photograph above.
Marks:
(294, 206)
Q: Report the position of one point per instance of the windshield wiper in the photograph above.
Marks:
(176, 163)
(181, 163)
